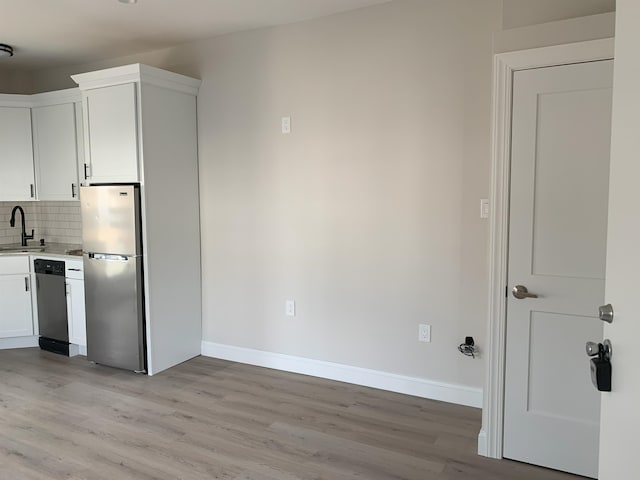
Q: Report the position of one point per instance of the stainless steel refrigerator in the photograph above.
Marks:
(113, 276)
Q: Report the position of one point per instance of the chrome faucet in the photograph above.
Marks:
(12, 222)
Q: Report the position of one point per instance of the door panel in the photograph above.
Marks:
(570, 224)
(559, 333)
(557, 246)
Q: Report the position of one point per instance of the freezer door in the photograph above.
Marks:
(110, 219)
(115, 314)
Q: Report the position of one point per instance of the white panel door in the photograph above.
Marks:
(16, 319)
(620, 422)
(557, 248)
(16, 155)
(55, 151)
(111, 120)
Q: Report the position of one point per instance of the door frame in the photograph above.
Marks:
(490, 438)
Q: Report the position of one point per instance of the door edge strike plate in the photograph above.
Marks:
(608, 349)
(605, 312)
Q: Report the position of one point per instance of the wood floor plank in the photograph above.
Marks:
(66, 418)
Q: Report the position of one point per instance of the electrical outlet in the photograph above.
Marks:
(290, 308)
(424, 333)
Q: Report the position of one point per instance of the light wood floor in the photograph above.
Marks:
(64, 418)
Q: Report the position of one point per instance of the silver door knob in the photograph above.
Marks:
(605, 312)
(520, 292)
(594, 349)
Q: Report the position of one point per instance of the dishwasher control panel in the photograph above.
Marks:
(49, 267)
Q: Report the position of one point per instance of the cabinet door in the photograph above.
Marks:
(16, 155)
(55, 153)
(15, 304)
(111, 122)
(75, 312)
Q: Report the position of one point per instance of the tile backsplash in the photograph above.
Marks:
(56, 222)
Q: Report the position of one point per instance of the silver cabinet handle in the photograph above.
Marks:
(32, 190)
(73, 190)
(26, 284)
(520, 292)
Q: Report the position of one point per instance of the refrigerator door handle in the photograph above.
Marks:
(106, 256)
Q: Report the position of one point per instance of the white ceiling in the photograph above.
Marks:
(47, 33)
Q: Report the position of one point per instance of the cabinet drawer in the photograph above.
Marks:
(74, 269)
(11, 265)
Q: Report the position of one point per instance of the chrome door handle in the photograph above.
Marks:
(520, 292)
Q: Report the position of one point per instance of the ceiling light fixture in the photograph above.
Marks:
(128, 1)
(6, 50)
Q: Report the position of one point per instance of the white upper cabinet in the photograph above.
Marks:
(16, 155)
(55, 151)
(40, 147)
(111, 134)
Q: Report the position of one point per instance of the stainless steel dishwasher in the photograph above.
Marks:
(52, 305)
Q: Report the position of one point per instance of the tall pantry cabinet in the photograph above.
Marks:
(140, 127)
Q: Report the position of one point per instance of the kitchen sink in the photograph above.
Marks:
(19, 249)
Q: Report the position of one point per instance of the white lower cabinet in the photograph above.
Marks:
(16, 318)
(75, 304)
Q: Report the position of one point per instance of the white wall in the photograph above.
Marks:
(518, 13)
(368, 213)
(620, 420)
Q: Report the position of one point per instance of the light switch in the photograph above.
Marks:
(290, 308)
(286, 124)
(484, 208)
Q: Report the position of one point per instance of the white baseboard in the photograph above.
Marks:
(482, 443)
(418, 387)
(18, 342)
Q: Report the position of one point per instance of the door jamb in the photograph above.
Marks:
(504, 65)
